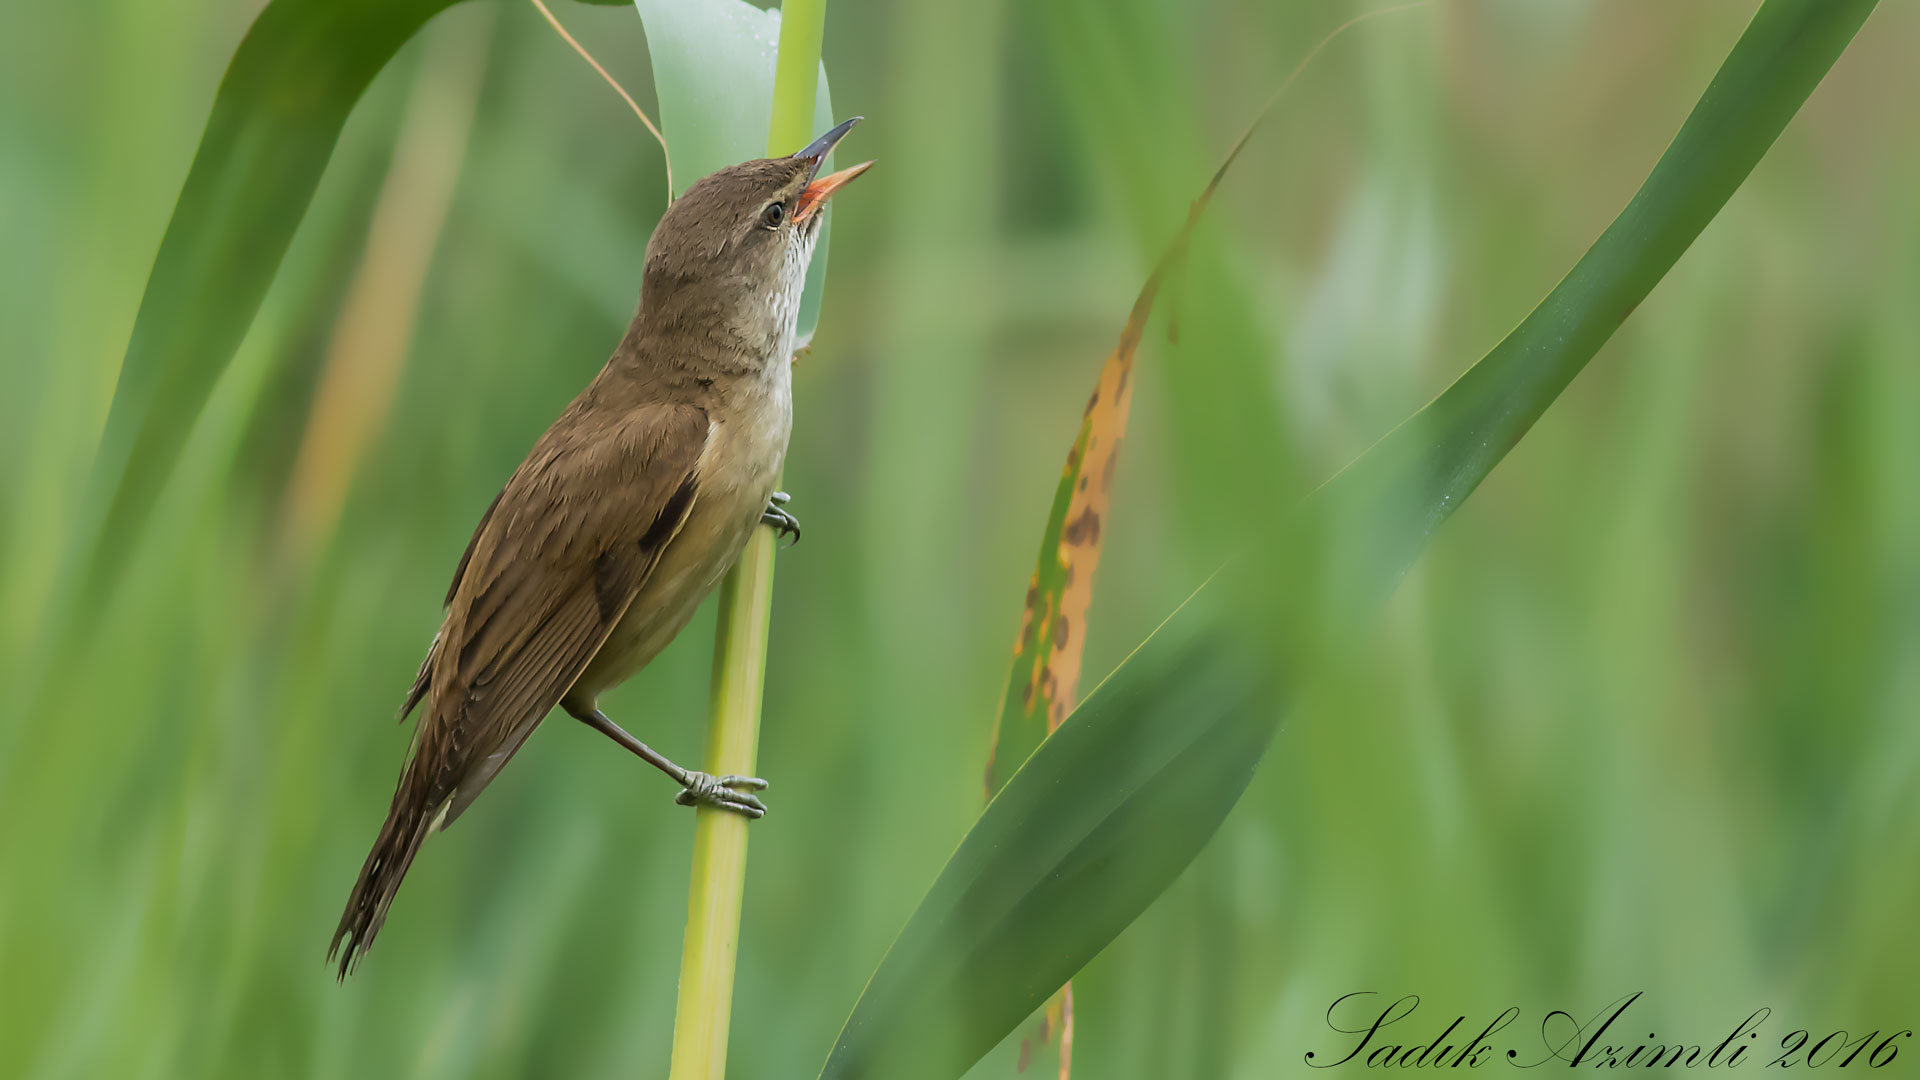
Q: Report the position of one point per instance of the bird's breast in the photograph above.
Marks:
(738, 472)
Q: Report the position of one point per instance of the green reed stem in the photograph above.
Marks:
(705, 1006)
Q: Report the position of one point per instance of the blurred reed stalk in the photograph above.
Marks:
(376, 324)
(705, 1004)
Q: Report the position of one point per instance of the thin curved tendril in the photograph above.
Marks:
(1294, 76)
(621, 90)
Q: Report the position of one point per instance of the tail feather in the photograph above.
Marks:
(412, 816)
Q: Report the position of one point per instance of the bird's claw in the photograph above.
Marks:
(776, 515)
(733, 793)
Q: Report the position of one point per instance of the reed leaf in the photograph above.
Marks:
(1125, 793)
(275, 120)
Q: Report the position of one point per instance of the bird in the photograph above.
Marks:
(623, 516)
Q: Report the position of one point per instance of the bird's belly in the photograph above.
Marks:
(723, 516)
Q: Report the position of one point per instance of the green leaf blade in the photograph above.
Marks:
(275, 119)
(1425, 468)
(1082, 838)
(713, 72)
(1027, 900)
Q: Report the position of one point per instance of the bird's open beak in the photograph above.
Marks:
(819, 190)
(816, 194)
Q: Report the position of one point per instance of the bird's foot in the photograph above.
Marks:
(733, 793)
(777, 516)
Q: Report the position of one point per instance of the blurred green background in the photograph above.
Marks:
(1643, 719)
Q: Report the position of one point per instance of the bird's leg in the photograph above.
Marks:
(733, 793)
(776, 515)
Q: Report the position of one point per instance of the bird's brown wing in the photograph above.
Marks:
(554, 565)
(423, 680)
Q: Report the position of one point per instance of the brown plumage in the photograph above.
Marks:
(623, 516)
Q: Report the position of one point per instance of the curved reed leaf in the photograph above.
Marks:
(275, 120)
(1123, 795)
(1083, 837)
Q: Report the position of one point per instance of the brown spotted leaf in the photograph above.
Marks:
(1046, 652)
(1041, 687)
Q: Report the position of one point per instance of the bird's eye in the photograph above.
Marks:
(773, 215)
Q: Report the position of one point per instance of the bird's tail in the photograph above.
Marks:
(414, 814)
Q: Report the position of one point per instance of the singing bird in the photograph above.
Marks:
(624, 515)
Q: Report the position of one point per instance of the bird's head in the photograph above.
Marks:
(734, 248)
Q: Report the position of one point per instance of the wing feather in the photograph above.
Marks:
(551, 570)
